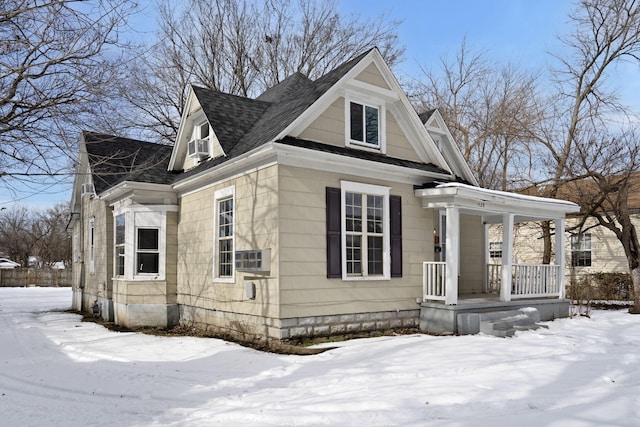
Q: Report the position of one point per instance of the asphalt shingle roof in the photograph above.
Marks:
(241, 125)
(288, 100)
(285, 88)
(230, 116)
(115, 159)
(424, 117)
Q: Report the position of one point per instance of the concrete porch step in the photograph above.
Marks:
(499, 323)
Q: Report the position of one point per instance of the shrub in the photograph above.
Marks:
(612, 286)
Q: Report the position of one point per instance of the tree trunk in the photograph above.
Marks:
(635, 279)
(546, 238)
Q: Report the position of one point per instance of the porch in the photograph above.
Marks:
(503, 286)
(527, 281)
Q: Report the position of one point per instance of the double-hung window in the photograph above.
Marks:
(495, 249)
(224, 235)
(365, 231)
(119, 244)
(365, 125)
(581, 250)
(147, 251)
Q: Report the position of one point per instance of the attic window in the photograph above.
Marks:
(203, 130)
(365, 125)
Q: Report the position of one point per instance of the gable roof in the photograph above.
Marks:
(114, 159)
(295, 82)
(434, 122)
(242, 125)
(425, 116)
(277, 108)
(230, 116)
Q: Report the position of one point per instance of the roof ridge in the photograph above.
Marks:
(103, 136)
(216, 92)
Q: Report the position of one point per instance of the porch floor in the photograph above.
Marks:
(438, 318)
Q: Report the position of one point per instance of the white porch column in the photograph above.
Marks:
(487, 259)
(507, 257)
(452, 254)
(560, 260)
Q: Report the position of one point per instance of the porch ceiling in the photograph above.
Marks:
(493, 204)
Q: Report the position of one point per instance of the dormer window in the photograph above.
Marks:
(203, 130)
(199, 145)
(365, 125)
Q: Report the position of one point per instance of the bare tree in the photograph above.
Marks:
(606, 32)
(27, 232)
(566, 143)
(606, 184)
(55, 246)
(59, 59)
(243, 47)
(489, 108)
(20, 233)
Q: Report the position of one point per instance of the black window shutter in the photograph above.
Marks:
(334, 236)
(395, 225)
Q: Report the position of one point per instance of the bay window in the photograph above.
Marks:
(140, 242)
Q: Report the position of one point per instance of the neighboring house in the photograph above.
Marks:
(321, 207)
(591, 249)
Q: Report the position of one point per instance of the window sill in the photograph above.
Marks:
(224, 280)
(364, 278)
(139, 279)
(357, 145)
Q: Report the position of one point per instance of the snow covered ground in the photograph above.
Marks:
(58, 371)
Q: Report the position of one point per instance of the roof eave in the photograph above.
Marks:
(337, 163)
(125, 188)
(492, 202)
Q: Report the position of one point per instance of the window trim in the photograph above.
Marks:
(199, 126)
(365, 102)
(92, 245)
(575, 253)
(146, 251)
(219, 196)
(373, 190)
(116, 245)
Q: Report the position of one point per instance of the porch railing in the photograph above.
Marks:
(527, 280)
(433, 280)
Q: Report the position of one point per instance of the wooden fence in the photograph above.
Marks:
(17, 277)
